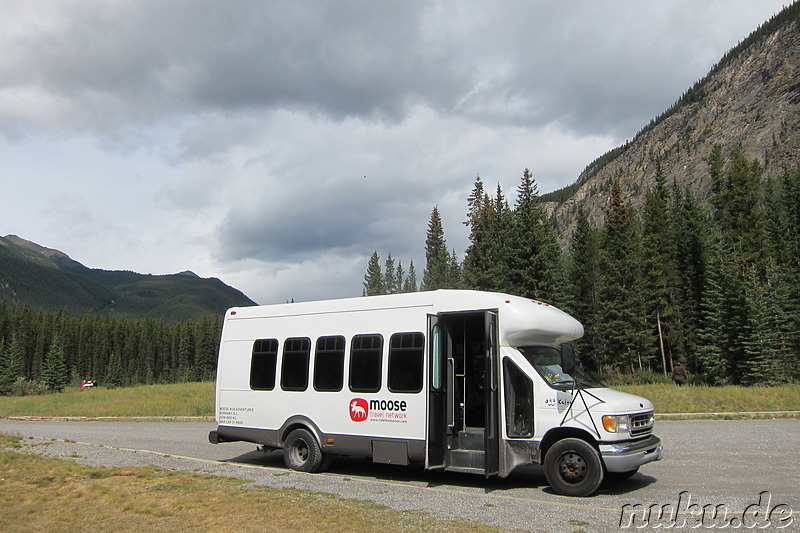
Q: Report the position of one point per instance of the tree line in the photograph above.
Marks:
(47, 351)
(715, 284)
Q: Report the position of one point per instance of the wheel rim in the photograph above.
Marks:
(300, 451)
(572, 467)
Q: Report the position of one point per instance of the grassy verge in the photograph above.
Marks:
(182, 399)
(197, 399)
(45, 494)
(704, 399)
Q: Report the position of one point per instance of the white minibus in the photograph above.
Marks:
(459, 380)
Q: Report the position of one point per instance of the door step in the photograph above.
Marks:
(466, 452)
(470, 439)
(470, 459)
(465, 470)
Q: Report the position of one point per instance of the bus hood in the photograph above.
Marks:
(614, 402)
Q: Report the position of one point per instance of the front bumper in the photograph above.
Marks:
(627, 456)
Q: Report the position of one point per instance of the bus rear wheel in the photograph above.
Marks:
(573, 468)
(301, 452)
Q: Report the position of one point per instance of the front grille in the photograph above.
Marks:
(641, 424)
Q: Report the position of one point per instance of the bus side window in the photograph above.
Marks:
(294, 368)
(406, 352)
(365, 363)
(518, 397)
(263, 364)
(329, 364)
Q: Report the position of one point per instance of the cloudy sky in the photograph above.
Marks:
(276, 144)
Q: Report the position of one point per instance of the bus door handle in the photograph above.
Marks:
(451, 387)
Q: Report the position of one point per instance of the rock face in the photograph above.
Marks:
(751, 97)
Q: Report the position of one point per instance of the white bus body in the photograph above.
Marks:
(464, 381)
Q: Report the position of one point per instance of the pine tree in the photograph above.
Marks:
(373, 279)
(454, 272)
(727, 328)
(782, 199)
(438, 273)
(499, 238)
(390, 282)
(400, 276)
(689, 243)
(620, 313)
(711, 365)
(657, 265)
(583, 271)
(534, 254)
(741, 217)
(478, 268)
(186, 345)
(486, 262)
(206, 348)
(10, 364)
(410, 283)
(55, 375)
(768, 355)
(116, 371)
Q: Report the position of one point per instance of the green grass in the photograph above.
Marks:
(705, 399)
(183, 399)
(197, 399)
(46, 494)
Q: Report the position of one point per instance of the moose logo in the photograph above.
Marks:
(358, 409)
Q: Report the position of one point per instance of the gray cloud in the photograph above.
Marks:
(100, 66)
(281, 142)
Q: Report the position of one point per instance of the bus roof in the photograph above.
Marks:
(522, 320)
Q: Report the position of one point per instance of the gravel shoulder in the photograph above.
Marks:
(714, 461)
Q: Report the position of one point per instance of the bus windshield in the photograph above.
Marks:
(547, 362)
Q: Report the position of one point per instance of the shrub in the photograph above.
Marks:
(26, 387)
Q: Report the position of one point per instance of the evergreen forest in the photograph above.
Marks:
(714, 284)
(43, 351)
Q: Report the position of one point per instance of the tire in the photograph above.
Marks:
(301, 452)
(573, 468)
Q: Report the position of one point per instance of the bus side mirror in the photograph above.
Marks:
(567, 359)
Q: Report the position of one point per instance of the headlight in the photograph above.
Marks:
(616, 423)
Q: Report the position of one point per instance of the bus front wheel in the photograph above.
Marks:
(301, 452)
(573, 467)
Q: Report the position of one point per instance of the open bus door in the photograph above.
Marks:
(491, 434)
(436, 441)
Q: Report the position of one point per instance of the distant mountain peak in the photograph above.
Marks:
(42, 277)
(32, 246)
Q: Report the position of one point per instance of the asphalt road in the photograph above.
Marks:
(730, 466)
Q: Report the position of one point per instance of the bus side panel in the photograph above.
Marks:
(382, 414)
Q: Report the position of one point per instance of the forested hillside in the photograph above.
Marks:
(49, 279)
(61, 322)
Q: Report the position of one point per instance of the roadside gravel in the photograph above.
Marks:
(728, 462)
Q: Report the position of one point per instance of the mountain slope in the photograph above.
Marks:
(31, 277)
(49, 279)
(751, 97)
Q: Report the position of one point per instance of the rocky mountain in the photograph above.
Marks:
(49, 279)
(751, 97)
